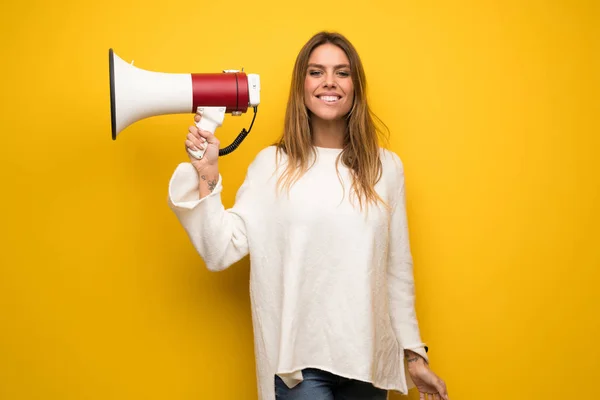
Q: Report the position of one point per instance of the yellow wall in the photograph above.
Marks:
(493, 107)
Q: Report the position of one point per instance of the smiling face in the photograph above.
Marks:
(328, 86)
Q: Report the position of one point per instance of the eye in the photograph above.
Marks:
(344, 74)
(314, 73)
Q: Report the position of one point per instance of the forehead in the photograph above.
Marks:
(328, 54)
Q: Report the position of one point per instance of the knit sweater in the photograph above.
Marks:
(331, 286)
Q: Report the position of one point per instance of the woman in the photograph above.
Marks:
(322, 215)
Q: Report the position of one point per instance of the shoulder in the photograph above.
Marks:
(265, 161)
(392, 171)
(267, 157)
(392, 176)
(391, 163)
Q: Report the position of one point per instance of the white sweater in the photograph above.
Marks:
(331, 287)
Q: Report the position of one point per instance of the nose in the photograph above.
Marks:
(328, 82)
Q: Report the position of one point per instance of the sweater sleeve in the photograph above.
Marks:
(401, 285)
(217, 234)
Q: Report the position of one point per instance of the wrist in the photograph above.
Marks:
(208, 177)
(414, 359)
(211, 170)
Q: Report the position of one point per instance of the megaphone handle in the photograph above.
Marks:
(212, 118)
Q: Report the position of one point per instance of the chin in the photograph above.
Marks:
(328, 114)
(330, 117)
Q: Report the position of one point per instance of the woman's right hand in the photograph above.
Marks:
(198, 139)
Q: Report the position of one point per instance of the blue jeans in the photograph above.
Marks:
(323, 385)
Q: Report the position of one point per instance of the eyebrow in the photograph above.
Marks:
(339, 66)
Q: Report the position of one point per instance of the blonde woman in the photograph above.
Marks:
(322, 215)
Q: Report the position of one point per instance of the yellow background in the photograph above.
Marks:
(492, 105)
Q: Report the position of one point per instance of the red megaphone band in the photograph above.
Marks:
(224, 89)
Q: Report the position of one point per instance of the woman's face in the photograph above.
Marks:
(328, 86)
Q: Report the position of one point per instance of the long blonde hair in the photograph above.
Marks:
(360, 151)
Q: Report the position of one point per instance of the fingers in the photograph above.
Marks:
(203, 135)
(195, 142)
(431, 396)
(191, 146)
(198, 133)
(210, 137)
(195, 129)
(442, 390)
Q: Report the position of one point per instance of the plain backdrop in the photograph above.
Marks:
(492, 105)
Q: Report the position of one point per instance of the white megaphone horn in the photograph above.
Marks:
(136, 94)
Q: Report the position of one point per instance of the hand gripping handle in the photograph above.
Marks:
(211, 119)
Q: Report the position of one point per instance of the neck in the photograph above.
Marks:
(328, 133)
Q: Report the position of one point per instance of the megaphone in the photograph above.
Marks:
(136, 94)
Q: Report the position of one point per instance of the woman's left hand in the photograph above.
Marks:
(426, 381)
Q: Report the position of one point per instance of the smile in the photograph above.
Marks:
(329, 99)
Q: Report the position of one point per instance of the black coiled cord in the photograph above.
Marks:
(238, 140)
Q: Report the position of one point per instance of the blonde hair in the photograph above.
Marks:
(360, 151)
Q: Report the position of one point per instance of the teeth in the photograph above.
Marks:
(329, 98)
